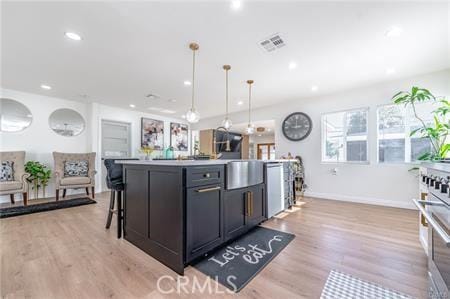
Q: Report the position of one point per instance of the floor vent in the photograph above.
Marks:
(272, 43)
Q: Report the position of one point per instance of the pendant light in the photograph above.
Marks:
(250, 127)
(192, 115)
(226, 123)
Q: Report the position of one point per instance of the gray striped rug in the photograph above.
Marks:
(341, 285)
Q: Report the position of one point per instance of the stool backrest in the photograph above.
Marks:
(114, 172)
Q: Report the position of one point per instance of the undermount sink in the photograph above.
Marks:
(241, 174)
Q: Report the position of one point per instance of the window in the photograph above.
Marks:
(344, 136)
(395, 123)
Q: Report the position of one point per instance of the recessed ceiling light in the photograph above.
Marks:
(236, 4)
(390, 71)
(269, 129)
(314, 88)
(187, 83)
(172, 100)
(132, 106)
(29, 115)
(46, 87)
(240, 103)
(259, 135)
(292, 65)
(73, 36)
(168, 111)
(393, 31)
(183, 116)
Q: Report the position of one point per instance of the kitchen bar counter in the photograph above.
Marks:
(178, 211)
(192, 162)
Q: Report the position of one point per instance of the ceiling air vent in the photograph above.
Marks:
(272, 43)
(152, 96)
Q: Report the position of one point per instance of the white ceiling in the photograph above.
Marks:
(130, 49)
(268, 125)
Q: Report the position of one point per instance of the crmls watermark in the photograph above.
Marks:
(193, 285)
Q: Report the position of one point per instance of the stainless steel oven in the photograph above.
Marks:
(436, 210)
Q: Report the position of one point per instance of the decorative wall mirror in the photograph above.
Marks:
(15, 116)
(66, 122)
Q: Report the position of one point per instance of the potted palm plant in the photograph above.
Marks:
(437, 131)
(39, 176)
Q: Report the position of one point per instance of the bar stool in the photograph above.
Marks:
(114, 181)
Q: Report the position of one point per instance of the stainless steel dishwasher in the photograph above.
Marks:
(274, 188)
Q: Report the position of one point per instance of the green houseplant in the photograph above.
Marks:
(438, 131)
(39, 176)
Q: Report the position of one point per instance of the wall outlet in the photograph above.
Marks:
(334, 171)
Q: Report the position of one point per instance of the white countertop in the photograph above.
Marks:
(280, 160)
(174, 162)
(191, 162)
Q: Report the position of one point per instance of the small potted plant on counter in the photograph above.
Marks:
(147, 151)
(436, 131)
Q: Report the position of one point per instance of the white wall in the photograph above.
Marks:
(102, 112)
(39, 141)
(384, 184)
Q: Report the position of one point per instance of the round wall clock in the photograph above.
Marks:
(297, 126)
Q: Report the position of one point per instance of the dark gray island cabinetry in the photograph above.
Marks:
(177, 211)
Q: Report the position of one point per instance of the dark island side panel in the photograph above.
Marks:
(154, 215)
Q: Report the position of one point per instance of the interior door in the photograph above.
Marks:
(266, 151)
(116, 143)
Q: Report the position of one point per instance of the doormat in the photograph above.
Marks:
(236, 264)
(341, 285)
(43, 207)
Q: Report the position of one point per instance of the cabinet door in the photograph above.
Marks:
(204, 223)
(257, 205)
(136, 204)
(235, 222)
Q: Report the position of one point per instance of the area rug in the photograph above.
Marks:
(341, 285)
(236, 264)
(43, 207)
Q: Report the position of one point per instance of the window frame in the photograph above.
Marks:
(408, 149)
(323, 140)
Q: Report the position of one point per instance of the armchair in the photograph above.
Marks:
(20, 183)
(74, 182)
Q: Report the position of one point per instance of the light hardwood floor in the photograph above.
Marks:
(69, 254)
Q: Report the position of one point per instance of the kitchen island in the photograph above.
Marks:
(178, 211)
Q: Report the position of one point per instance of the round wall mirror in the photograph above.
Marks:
(14, 116)
(66, 122)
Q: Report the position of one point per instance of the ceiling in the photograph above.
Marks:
(268, 125)
(131, 49)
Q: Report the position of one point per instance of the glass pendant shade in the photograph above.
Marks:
(192, 116)
(250, 129)
(226, 123)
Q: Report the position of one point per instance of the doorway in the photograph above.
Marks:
(266, 151)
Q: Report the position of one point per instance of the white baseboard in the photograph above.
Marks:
(359, 199)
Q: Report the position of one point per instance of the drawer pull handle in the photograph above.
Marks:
(208, 189)
(207, 175)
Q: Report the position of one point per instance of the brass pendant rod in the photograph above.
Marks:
(226, 68)
(250, 82)
(193, 79)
